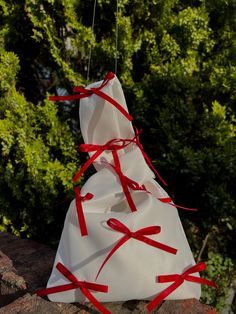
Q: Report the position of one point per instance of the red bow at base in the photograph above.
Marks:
(138, 235)
(178, 281)
(84, 287)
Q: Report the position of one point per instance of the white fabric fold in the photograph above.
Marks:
(131, 271)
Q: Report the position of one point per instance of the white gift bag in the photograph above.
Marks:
(131, 271)
(122, 232)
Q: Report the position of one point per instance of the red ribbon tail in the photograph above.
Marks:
(156, 173)
(81, 219)
(114, 249)
(86, 165)
(185, 208)
(123, 181)
(94, 301)
(156, 244)
(201, 281)
(127, 194)
(168, 200)
(150, 164)
(160, 297)
(113, 102)
(52, 290)
(66, 97)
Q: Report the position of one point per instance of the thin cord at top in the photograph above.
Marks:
(90, 49)
(117, 29)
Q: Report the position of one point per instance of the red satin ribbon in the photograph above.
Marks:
(78, 200)
(168, 200)
(125, 181)
(178, 281)
(83, 93)
(138, 235)
(84, 286)
(148, 160)
(112, 145)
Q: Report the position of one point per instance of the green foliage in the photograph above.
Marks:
(38, 159)
(177, 64)
(220, 270)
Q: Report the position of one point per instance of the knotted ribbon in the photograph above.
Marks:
(87, 92)
(78, 201)
(112, 145)
(178, 281)
(168, 200)
(84, 287)
(139, 235)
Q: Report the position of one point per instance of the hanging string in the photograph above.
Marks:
(116, 37)
(117, 29)
(90, 49)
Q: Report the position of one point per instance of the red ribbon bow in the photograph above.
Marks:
(168, 200)
(84, 286)
(138, 235)
(78, 201)
(178, 281)
(83, 93)
(112, 145)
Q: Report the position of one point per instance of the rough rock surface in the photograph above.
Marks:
(25, 266)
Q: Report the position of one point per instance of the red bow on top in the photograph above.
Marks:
(178, 281)
(87, 92)
(137, 235)
(84, 287)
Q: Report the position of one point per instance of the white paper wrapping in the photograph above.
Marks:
(100, 121)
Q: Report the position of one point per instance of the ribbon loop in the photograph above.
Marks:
(133, 185)
(148, 231)
(118, 226)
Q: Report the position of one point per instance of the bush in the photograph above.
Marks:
(38, 159)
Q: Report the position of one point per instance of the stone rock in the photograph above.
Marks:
(32, 304)
(11, 285)
(31, 260)
(190, 306)
(5, 263)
